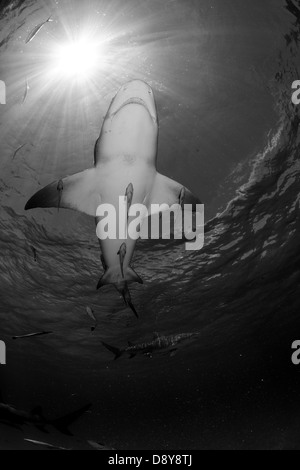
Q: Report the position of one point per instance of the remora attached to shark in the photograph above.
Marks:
(124, 165)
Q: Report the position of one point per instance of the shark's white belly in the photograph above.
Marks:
(114, 178)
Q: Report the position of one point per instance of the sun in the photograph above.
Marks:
(78, 59)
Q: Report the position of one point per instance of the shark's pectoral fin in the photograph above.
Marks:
(167, 191)
(166, 204)
(79, 192)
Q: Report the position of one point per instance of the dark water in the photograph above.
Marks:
(222, 75)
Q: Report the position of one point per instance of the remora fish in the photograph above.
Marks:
(125, 157)
(33, 335)
(147, 349)
(36, 29)
(98, 446)
(16, 418)
(26, 91)
(34, 252)
(17, 151)
(90, 313)
(60, 188)
(45, 444)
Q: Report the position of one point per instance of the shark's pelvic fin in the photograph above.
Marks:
(113, 276)
(78, 192)
(132, 276)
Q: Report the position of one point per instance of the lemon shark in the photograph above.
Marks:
(125, 159)
(158, 343)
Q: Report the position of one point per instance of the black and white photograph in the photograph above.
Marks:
(149, 216)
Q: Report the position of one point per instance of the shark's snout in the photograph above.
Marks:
(134, 92)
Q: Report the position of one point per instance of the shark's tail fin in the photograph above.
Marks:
(63, 424)
(117, 352)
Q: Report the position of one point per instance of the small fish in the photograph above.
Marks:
(182, 197)
(129, 195)
(34, 253)
(60, 188)
(90, 313)
(32, 335)
(27, 88)
(127, 299)
(17, 151)
(122, 254)
(45, 444)
(36, 29)
(97, 446)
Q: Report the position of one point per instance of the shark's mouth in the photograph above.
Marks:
(138, 101)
